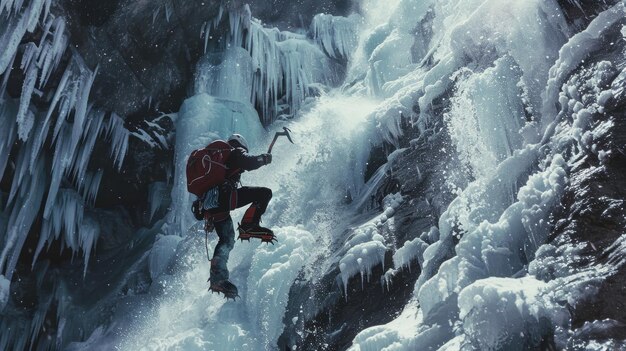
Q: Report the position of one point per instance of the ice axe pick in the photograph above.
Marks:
(285, 132)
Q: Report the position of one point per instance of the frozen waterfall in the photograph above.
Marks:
(438, 147)
(485, 73)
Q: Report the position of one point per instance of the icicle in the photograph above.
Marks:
(30, 51)
(90, 187)
(7, 133)
(46, 10)
(42, 135)
(60, 161)
(119, 139)
(207, 35)
(24, 118)
(168, 11)
(21, 170)
(266, 60)
(80, 111)
(52, 57)
(70, 207)
(335, 34)
(220, 13)
(16, 27)
(89, 232)
(5, 79)
(34, 12)
(157, 192)
(46, 31)
(90, 135)
(44, 235)
(23, 215)
(10, 39)
(67, 104)
(43, 54)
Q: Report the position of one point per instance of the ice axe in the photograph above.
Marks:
(285, 132)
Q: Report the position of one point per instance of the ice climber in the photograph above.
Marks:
(220, 165)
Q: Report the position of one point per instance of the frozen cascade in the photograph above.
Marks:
(226, 75)
(411, 250)
(284, 64)
(335, 34)
(366, 248)
(503, 211)
(263, 273)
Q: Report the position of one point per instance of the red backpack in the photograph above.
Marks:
(206, 167)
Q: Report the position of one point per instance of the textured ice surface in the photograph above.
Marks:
(498, 222)
(366, 248)
(484, 305)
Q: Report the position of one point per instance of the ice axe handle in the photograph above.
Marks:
(269, 151)
(285, 132)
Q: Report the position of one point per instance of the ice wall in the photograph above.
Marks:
(501, 69)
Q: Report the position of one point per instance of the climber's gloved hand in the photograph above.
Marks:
(267, 159)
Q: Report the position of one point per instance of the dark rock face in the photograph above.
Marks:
(145, 51)
(592, 218)
(287, 14)
(92, 12)
(581, 12)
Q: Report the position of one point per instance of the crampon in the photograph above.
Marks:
(258, 232)
(225, 287)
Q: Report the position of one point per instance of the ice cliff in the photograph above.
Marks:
(456, 181)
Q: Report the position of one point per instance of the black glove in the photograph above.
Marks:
(267, 159)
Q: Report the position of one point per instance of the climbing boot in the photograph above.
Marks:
(225, 287)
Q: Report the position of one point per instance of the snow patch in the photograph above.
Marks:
(366, 247)
(505, 313)
(411, 250)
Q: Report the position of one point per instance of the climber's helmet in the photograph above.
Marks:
(237, 140)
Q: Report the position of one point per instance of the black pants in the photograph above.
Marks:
(230, 199)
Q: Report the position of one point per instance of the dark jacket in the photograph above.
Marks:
(239, 161)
